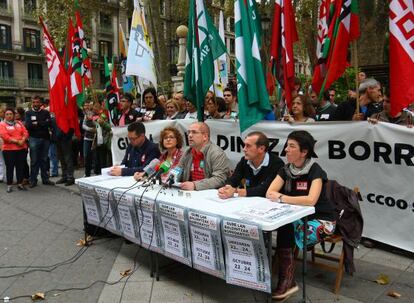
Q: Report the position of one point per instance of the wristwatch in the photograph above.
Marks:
(280, 199)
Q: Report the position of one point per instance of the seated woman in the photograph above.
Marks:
(302, 182)
(301, 111)
(212, 110)
(171, 143)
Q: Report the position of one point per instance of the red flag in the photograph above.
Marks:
(326, 24)
(346, 30)
(401, 54)
(57, 81)
(86, 70)
(281, 48)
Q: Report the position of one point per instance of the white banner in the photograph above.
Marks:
(378, 159)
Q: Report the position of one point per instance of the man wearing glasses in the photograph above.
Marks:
(204, 164)
(139, 153)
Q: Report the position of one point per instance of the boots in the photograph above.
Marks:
(286, 285)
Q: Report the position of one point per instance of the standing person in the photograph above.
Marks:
(65, 156)
(172, 110)
(332, 95)
(232, 108)
(153, 111)
(2, 165)
(54, 163)
(128, 114)
(19, 115)
(14, 136)
(300, 182)
(191, 110)
(324, 110)
(89, 127)
(300, 112)
(103, 134)
(38, 124)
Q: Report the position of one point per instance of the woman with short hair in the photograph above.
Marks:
(300, 182)
(14, 136)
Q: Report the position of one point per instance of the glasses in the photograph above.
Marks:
(195, 132)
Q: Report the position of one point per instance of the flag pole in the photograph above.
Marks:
(355, 57)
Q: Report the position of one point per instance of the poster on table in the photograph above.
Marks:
(356, 154)
(174, 231)
(127, 215)
(247, 264)
(148, 224)
(89, 199)
(108, 210)
(206, 244)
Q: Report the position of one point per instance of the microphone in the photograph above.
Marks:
(163, 168)
(151, 167)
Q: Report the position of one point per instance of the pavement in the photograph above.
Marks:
(42, 226)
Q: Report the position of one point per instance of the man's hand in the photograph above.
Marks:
(358, 117)
(116, 171)
(188, 185)
(226, 192)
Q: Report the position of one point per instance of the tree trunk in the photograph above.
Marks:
(159, 44)
(374, 26)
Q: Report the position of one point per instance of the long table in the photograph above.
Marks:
(225, 238)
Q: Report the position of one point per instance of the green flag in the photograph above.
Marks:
(204, 45)
(251, 85)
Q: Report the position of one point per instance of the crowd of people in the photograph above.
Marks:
(203, 165)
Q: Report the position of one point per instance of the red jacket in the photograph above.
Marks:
(13, 132)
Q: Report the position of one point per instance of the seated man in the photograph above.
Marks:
(139, 153)
(204, 164)
(255, 171)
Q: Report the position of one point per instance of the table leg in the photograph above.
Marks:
(305, 252)
(151, 264)
(268, 241)
(157, 267)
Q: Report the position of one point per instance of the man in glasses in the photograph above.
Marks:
(204, 165)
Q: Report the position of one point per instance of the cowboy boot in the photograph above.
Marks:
(286, 285)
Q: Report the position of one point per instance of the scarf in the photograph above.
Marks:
(293, 172)
(11, 123)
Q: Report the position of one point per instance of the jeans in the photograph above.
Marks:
(39, 149)
(14, 159)
(54, 164)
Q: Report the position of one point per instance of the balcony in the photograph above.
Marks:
(5, 10)
(8, 83)
(37, 84)
(28, 14)
(105, 29)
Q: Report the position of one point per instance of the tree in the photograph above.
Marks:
(57, 12)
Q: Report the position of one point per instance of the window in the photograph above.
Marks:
(6, 69)
(105, 20)
(232, 46)
(34, 71)
(5, 37)
(3, 4)
(29, 5)
(31, 40)
(105, 49)
(102, 79)
(230, 24)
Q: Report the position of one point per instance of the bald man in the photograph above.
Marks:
(204, 164)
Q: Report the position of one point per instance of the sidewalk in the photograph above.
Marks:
(179, 283)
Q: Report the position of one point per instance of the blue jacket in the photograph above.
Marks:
(136, 158)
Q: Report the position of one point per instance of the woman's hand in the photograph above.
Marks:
(138, 176)
(273, 195)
